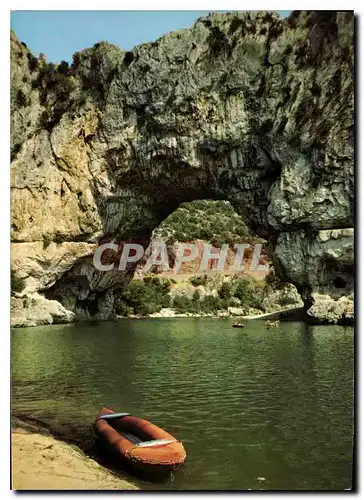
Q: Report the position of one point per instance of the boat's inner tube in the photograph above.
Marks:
(112, 416)
(155, 442)
(143, 444)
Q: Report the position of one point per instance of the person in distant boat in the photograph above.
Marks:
(272, 324)
(238, 325)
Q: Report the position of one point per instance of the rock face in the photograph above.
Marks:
(325, 309)
(245, 107)
(285, 297)
(37, 310)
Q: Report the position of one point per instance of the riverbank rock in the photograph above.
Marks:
(325, 309)
(246, 107)
(182, 289)
(38, 264)
(327, 258)
(236, 311)
(281, 298)
(166, 312)
(34, 310)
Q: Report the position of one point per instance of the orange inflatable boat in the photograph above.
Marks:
(139, 442)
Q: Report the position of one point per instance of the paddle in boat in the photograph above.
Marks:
(139, 442)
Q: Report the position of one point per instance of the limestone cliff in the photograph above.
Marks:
(245, 107)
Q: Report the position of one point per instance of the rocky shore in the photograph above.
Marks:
(41, 462)
(236, 313)
(211, 295)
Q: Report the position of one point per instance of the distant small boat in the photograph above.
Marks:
(238, 325)
(272, 324)
(139, 442)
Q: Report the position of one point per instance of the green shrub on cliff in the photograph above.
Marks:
(21, 99)
(16, 283)
(215, 222)
(199, 280)
(249, 291)
(124, 310)
(150, 295)
(273, 281)
(144, 297)
(183, 304)
(208, 305)
(55, 85)
(225, 291)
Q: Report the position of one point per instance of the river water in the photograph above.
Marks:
(254, 408)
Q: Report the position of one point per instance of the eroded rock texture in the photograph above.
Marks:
(245, 107)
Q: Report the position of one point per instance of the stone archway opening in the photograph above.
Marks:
(203, 259)
(209, 225)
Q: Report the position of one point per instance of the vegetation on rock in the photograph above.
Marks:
(55, 84)
(16, 283)
(148, 296)
(144, 297)
(215, 222)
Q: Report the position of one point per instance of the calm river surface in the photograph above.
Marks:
(255, 408)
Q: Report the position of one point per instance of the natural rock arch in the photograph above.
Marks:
(245, 107)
